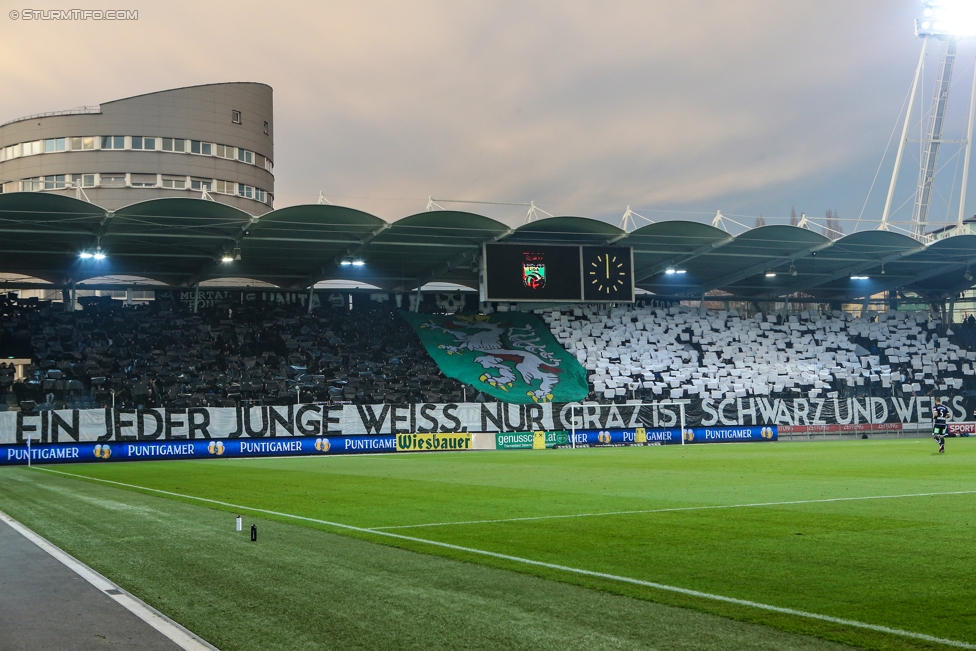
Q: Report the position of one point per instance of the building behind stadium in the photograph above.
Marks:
(214, 141)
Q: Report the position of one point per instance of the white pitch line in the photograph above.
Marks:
(183, 638)
(673, 509)
(552, 566)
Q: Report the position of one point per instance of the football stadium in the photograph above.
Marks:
(225, 425)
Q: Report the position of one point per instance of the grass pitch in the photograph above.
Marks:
(778, 524)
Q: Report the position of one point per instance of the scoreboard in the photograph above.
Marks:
(550, 273)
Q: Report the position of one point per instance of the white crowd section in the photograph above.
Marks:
(660, 353)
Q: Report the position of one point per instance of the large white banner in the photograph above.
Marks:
(802, 414)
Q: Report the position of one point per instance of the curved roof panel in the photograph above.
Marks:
(298, 241)
(180, 242)
(669, 244)
(742, 261)
(566, 230)
(170, 239)
(41, 234)
(438, 244)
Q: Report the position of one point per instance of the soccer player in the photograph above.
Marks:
(940, 414)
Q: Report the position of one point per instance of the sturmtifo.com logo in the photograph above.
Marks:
(74, 14)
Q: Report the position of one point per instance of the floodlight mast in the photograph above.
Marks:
(946, 21)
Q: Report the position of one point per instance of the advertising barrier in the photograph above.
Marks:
(145, 451)
(731, 434)
(432, 442)
(530, 440)
(961, 429)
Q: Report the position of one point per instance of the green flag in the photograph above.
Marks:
(509, 355)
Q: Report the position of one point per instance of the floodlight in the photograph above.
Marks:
(947, 18)
(358, 263)
(99, 255)
(85, 255)
(669, 271)
(227, 258)
(859, 277)
(346, 263)
(770, 273)
(680, 271)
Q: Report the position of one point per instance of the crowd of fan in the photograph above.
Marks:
(657, 353)
(263, 353)
(226, 355)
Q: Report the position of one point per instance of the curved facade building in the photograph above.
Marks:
(216, 139)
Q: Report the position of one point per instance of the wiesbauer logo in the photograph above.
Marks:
(74, 14)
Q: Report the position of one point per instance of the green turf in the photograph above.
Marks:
(903, 563)
(301, 588)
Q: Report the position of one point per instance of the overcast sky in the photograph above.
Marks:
(678, 109)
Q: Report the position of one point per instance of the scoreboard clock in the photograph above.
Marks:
(608, 274)
(551, 273)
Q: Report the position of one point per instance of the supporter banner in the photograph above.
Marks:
(810, 415)
(432, 442)
(511, 356)
(214, 297)
(155, 451)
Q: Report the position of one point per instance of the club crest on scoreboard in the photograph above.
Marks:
(534, 271)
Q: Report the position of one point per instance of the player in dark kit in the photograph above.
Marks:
(940, 414)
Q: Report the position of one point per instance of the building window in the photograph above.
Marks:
(235, 117)
(224, 151)
(142, 180)
(88, 142)
(174, 182)
(203, 148)
(112, 180)
(268, 165)
(260, 195)
(174, 144)
(245, 191)
(54, 182)
(245, 156)
(87, 180)
(113, 142)
(144, 143)
(224, 187)
(265, 127)
(31, 148)
(55, 144)
(201, 184)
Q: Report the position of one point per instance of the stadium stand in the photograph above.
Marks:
(233, 354)
(655, 353)
(223, 356)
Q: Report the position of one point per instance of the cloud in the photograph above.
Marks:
(583, 107)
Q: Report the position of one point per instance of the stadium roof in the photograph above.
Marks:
(181, 242)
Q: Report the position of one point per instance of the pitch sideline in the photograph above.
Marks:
(563, 568)
(176, 633)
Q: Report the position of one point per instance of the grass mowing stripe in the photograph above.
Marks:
(551, 566)
(673, 509)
